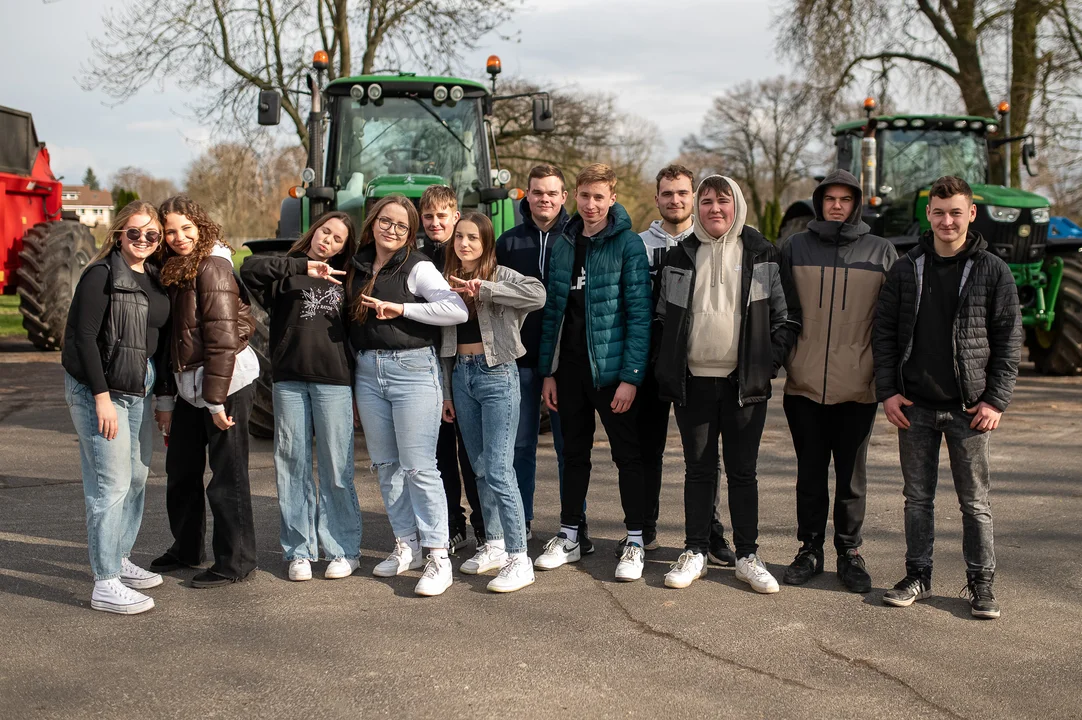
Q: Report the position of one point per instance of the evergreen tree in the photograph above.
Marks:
(91, 180)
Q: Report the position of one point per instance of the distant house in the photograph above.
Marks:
(93, 207)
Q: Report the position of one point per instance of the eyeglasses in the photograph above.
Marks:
(152, 236)
(400, 229)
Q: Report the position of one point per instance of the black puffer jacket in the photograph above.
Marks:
(987, 333)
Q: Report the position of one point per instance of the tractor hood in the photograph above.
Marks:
(1007, 197)
(409, 185)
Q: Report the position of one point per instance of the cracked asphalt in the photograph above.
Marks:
(576, 643)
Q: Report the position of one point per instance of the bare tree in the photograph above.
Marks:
(230, 49)
(148, 187)
(763, 135)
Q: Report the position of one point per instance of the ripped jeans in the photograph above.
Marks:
(399, 401)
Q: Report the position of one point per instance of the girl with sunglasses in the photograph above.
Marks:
(481, 390)
(398, 300)
(113, 343)
(313, 377)
(213, 372)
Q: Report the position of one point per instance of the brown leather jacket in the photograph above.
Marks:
(211, 324)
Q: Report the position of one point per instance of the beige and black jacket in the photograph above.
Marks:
(838, 269)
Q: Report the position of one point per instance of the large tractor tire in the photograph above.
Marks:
(51, 261)
(1058, 351)
(795, 225)
(261, 422)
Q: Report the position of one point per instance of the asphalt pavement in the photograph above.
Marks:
(576, 643)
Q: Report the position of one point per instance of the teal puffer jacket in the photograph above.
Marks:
(618, 301)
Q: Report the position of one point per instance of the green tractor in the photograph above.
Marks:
(897, 158)
(375, 135)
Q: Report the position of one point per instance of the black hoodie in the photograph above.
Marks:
(526, 249)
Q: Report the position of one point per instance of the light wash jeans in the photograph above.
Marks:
(335, 520)
(114, 471)
(400, 401)
(529, 425)
(487, 407)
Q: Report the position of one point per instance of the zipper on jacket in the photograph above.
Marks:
(845, 288)
(594, 372)
(822, 280)
(747, 271)
(954, 341)
(830, 318)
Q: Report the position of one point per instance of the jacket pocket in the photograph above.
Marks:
(677, 286)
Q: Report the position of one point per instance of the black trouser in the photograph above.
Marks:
(653, 428)
(450, 455)
(192, 434)
(713, 409)
(577, 399)
(820, 431)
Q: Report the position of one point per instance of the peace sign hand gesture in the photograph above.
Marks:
(317, 269)
(469, 287)
(384, 310)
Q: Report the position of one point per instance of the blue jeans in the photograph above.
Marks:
(399, 400)
(529, 425)
(335, 521)
(487, 407)
(114, 471)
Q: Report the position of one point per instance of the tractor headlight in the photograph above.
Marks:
(1040, 215)
(457, 93)
(503, 176)
(1003, 214)
(439, 94)
(357, 92)
(375, 92)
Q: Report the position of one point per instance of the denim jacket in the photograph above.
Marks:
(502, 306)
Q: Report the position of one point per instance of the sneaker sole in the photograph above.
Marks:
(510, 588)
(907, 602)
(431, 593)
(334, 576)
(415, 565)
(984, 614)
(627, 578)
(142, 584)
(480, 569)
(680, 585)
(762, 591)
(718, 561)
(299, 578)
(567, 561)
(134, 609)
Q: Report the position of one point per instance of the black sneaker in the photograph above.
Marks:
(807, 564)
(853, 572)
(982, 603)
(166, 562)
(529, 531)
(649, 542)
(916, 585)
(208, 579)
(457, 541)
(720, 553)
(586, 545)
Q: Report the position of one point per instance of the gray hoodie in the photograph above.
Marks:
(658, 242)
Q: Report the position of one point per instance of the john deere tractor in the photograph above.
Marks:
(374, 135)
(897, 157)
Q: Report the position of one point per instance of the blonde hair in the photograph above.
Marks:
(135, 207)
(438, 196)
(597, 173)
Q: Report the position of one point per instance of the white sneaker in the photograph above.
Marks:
(116, 597)
(136, 577)
(516, 574)
(300, 569)
(751, 570)
(558, 551)
(401, 559)
(489, 557)
(631, 563)
(341, 568)
(688, 568)
(436, 577)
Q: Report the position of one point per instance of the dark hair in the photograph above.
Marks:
(179, 269)
(486, 268)
(671, 172)
(543, 171)
(368, 236)
(348, 249)
(950, 185)
(716, 183)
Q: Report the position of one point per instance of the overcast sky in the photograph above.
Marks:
(663, 64)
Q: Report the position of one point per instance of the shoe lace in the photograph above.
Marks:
(682, 562)
(909, 582)
(508, 568)
(555, 542)
(632, 553)
(977, 590)
(858, 560)
(757, 568)
(805, 553)
(432, 569)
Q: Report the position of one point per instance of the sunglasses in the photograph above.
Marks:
(400, 229)
(152, 236)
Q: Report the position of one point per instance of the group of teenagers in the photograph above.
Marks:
(443, 344)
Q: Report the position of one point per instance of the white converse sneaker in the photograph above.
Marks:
(341, 568)
(300, 569)
(436, 577)
(136, 577)
(401, 559)
(688, 568)
(116, 597)
(751, 570)
(489, 557)
(516, 574)
(558, 551)
(631, 563)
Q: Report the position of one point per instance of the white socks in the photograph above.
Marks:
(496, 544)
(634, 536)
(572, 533)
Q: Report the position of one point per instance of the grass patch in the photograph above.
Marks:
(11, 321)
(239, 257)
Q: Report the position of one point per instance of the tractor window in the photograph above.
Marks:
(911, 159)
(407, 136)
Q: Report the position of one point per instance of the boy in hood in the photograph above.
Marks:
(947, 342)
(837, 268)
(595, 338)
(526, 248)
(726, 331)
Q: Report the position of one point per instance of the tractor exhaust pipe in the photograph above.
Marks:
(869, 184)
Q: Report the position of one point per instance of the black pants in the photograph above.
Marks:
(192, 435)
(820, 431)
(712, 409)
(450, 456)
(578, 399)
(653, 427)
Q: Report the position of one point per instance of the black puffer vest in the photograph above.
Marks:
(122, 341)
(400, 333)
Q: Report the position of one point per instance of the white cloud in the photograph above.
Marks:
(162, 125)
